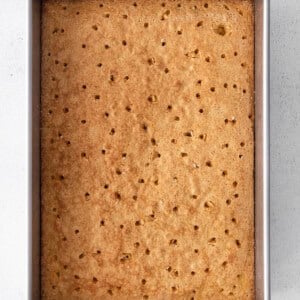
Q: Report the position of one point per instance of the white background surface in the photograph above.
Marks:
(13, 151)
(285, 150)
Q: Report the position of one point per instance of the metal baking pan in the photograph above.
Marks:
(262, 271)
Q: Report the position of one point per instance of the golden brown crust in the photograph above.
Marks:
(147, 149)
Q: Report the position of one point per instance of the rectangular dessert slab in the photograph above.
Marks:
(261, 87)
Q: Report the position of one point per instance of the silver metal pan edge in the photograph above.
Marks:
(262, 266)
